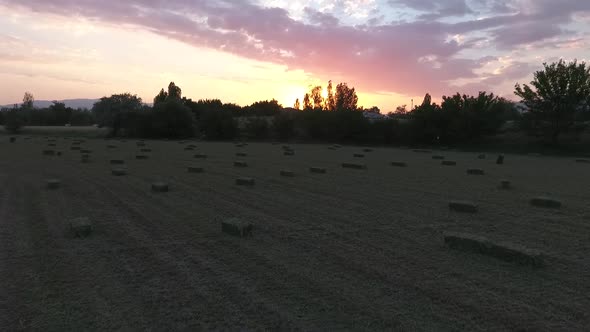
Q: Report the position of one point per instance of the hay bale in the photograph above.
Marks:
(145, 150)
(160, 187)
(438, 157)
(80, 227)
(332, 148)
(289, 153)
(117, 162)
(399, 164)
(500, 160)
(286, 148)
(48, 153)
(53, 183)
(448, 163)
(422, 151)
(367, 150)
(354, 166)
(119, 171)
(545, 202)
(475, 171)
(58, 153)
(583, 161)
(141, 157)
(200, 156)
(195, 169)
(236, 227)
(358, 155)
(241, 154)
(504, 251)
(245, 181)
(52, 145)
(188, 148)
(76, 142)
(240, 163)
(481, 156)
(318, 170)
(505, 185)
(337, 146)
(287, 173)
(463, 206)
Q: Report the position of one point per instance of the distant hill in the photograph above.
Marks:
(73, 103)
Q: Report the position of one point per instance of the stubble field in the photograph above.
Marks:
(349, 249)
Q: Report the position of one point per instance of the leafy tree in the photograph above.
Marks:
(161, 97)
(263, 108)
(13, 120)
(559, 98)
(330, 103)
(174, 92)
(316, 97)
(307, 102)
(113, 111)
(28, 101)
(171, 119)
(345, 98)
(60, 113)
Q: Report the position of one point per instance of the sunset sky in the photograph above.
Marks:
(247, 50)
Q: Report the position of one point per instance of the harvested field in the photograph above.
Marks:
(345, 250)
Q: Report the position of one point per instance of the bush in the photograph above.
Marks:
(13, 121)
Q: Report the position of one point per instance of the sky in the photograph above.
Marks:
(241, 51)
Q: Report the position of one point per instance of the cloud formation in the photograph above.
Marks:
(438, 42)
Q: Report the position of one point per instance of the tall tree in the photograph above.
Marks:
(28, 101)
(427, 100)
(114, 111)
(317, 98)
(307, 102)
(174, 92)
(330, 101)
(346, 98)
(161, 97)
(559, 96)
(297, 105)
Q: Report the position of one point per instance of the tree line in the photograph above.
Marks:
(557, 102)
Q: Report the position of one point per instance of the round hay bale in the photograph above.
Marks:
(399, 164)
(160, 187)
(545, 202)
(80, 227)
(475, 171)
(448, 163)
(53, 183)
(245, 182)
(287, 173)
(119, 171)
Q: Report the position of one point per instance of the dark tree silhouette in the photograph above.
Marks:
(346, 98)
(161, 97)
(307, 102)
(297, 105)
(316, 97)
(28, 101)
(330, 103)
(113, 111)
(560, 96)
(174, 92)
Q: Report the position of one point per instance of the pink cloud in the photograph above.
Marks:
(386, 57)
